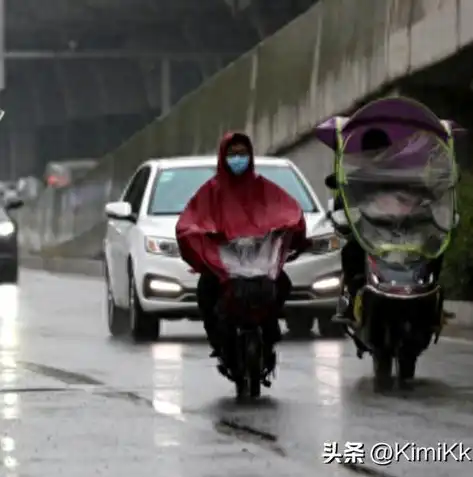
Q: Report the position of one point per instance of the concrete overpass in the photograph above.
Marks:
(309, 70)
(83, 76)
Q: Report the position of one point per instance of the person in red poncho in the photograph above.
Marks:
(236, 202)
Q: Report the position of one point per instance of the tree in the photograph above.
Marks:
(457, 274)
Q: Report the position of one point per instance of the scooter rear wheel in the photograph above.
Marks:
(255, 382)
(382, 367)
(406, 367)
(242, 388)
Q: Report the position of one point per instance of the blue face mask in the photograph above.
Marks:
(238, 164)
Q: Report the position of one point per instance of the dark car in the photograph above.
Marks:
(9, 242)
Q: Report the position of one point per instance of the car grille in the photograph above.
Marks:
(189, 298)
(297, 295)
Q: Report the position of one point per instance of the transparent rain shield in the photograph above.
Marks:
(401, 200)
(249, 257)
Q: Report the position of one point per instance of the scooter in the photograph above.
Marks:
(399, 204)
(397, 312)
(246, 306)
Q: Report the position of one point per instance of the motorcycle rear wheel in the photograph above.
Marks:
(242, 388)
(255, 382)
(248, 384)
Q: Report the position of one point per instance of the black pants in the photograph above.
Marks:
(208, 293)
(353, 264)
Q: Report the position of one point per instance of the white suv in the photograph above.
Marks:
(148, 281)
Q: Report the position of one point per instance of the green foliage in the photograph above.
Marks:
(457, 274)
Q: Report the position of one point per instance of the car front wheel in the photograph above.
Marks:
(9, 273)
(143, 326)
(116, 317)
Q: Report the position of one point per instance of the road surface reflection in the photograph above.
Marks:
(8, 362)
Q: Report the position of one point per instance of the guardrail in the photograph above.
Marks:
(321, 64)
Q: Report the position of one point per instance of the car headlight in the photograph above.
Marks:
(327, 284)
(156, 286)
(324, 244)
(6, 228)
(164, 287)
(162, 246)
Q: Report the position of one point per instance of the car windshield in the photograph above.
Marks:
(174, 187)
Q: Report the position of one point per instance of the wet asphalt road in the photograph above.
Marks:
(74, 402)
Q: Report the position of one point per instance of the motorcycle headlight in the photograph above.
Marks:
(162, 246)
(6, 228)
(324, 244)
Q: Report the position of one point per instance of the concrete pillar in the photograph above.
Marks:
(22, 152)
(166, 99)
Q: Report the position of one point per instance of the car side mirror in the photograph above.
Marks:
(14, 204)
(331, 204)
(120, 211)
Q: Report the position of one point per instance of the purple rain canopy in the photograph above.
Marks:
(392, 181)
(398, 117)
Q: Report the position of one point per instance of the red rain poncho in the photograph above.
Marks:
(234, 206)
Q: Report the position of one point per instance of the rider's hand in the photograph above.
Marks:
(293, 255)
(331, 182)
(300, 248)
(216, 236)
(307, 244)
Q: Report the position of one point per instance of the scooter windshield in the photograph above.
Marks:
(401, 199)
(249, 257)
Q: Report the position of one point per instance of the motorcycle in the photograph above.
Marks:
(247, 305)
(399, 203)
